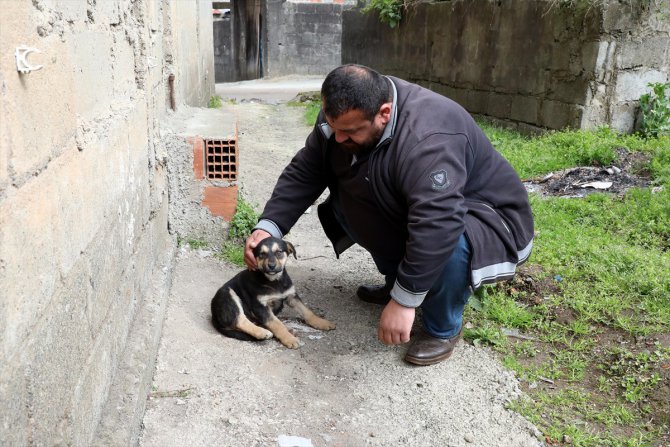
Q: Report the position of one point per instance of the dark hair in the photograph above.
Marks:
(354, 87)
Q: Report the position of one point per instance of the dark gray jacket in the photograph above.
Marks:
(435, 173)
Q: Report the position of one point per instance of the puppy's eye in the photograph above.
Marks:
(279, 254)
(262, 255)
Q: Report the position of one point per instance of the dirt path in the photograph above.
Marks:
(342, 388)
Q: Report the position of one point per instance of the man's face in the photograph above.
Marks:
(355, 134)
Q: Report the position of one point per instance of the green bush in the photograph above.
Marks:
(243, 221)
(390, 11)
(215, 102)
(655, 108)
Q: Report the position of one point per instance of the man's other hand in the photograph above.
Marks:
(250, 244)
(395, 323)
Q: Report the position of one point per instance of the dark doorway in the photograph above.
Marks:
(238, 40)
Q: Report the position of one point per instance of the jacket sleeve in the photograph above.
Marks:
(298, 186)
(431, 179)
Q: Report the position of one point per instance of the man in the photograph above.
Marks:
(414, 181)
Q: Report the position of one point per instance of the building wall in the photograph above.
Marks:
(83, 195)
(303, 38)
(523, 61)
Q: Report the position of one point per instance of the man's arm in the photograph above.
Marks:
(298, 186)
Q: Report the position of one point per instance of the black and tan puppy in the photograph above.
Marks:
(252, 299)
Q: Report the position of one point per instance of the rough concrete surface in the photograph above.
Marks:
(341, 388)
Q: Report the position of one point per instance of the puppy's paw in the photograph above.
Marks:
(322, 324)
(291, 342)
(264, 335)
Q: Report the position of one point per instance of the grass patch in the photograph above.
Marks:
(592, 306)
(312, 112)
(193, 243)
(241, 226)
(312, 105)
(535, 156)
(215, 102)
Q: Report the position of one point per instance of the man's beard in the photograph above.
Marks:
(350, 147)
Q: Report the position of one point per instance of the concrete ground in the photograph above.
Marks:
(269, 91)
(341, 388)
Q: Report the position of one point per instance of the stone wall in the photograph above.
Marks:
(84, 242)
(522, 61)
(303, 38)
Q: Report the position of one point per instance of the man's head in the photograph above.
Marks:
(357, 103)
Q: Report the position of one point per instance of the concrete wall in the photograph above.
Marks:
(303, 37)
(522, 61)
(83, 196)
(188, 24)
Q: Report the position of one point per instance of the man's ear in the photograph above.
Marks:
(385, 112)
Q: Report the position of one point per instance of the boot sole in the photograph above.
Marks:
(428, 361)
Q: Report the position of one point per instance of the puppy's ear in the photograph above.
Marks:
(290, 249)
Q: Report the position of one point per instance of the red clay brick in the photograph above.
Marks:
(198, 157)
(221, 201)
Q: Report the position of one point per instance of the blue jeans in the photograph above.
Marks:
(442, 310)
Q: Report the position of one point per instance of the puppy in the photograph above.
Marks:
(252, 299)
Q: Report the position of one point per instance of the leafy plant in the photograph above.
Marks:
(243, 221)
(485, 335)
(655, 108)
(215, 102)
(390, 11)
(241, 225)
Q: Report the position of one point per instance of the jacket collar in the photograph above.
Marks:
(389, 130)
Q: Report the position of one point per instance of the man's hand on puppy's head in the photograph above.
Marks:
(250, 244)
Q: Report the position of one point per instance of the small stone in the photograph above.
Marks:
(567, 439)
(469, 438)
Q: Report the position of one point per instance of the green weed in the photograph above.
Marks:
(389, 11)
(507, 312)
(485, 335)
(312, 112)
(312, 105)
(197, 244)
(215, 102)
(241, 226)
(243, 221)
(232, 252)
(655, 107)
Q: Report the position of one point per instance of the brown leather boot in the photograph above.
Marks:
(428, 350)
(376, 294)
